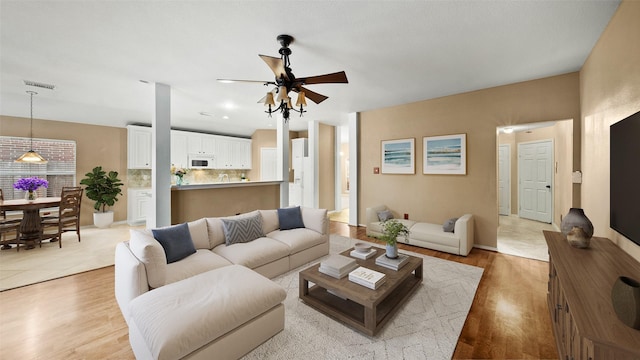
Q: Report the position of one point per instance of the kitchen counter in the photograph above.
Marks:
(220, 185)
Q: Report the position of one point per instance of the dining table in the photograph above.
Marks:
(31, 224)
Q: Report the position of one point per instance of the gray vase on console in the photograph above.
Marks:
(625, 297)
(577, 228)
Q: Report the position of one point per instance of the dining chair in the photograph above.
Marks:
(7, 227)
(68, 218)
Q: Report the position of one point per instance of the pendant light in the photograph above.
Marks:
(31, 157)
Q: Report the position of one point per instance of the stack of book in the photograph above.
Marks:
(393, 264)
(338, 266)
(367, 277)
(363, 255)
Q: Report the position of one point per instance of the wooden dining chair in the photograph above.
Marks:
(7, 228)
(68, 218)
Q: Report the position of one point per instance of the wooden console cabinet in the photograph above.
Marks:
(579, 298)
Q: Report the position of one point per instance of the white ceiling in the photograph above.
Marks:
(394, 52)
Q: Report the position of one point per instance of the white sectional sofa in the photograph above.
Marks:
(427, 235)
(217, 302)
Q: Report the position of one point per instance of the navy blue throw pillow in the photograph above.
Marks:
(176, 241)
(290, 218)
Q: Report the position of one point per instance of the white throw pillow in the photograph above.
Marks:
(199, 234)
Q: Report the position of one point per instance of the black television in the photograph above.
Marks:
(625, 177)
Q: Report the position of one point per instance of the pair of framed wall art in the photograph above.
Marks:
(441, 155)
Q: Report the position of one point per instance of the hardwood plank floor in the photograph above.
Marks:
(77, 317)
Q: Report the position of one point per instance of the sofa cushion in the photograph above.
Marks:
(243, 229)
(203, 260)
(385, 215)
(269, 220)
(176, 241)
(449, 225)
(315, 219)
(298, 239)
(255, 253)
(290, 218)
(149, 251)
(182, 317)
(433, 233)
(199, 234)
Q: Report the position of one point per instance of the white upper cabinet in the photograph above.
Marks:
(179, 141)
(139, 147)
(201, 143)
(233, 153)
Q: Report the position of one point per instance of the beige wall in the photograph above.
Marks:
(267, 138)
(95, 146)
(344, 148)
(189, 205)
(326, 165)
(435, 198)
(610, 91)
(562, 136)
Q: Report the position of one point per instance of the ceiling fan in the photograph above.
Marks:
(285, 82)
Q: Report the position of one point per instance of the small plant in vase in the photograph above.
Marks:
(179, 173)
(391, 229)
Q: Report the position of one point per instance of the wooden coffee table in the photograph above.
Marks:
(363, 309)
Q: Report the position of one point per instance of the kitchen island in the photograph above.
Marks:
(195, 201)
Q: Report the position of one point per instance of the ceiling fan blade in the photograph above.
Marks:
(334, 78)
(276, 65)
(227, 81)
(311, 95)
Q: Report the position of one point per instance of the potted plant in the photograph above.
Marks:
(391, 229)
(103, 188)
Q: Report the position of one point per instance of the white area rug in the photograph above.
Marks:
(427, 326)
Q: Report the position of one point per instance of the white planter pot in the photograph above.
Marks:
(103, 219)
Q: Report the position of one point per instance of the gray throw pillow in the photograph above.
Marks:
(385, 215)
(242, 230)
(290, 218)
(449, 225)
(176, 241)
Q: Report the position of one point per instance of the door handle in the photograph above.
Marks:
(548, 186)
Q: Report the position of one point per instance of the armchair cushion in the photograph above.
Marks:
(176, 241)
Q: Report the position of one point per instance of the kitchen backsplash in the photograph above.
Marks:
(137, 178)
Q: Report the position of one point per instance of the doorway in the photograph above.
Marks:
(535, 180)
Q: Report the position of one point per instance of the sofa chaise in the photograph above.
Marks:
(218, 301)
(427, 235)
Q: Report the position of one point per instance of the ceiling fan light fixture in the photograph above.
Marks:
(282, 94)
(269, 99)
(31, 157)
(302, 100)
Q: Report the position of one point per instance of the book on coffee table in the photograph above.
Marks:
(393, 264)
(367, 277)
(363, 255)
(337, 266)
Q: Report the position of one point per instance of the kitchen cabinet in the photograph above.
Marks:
(179, 152)
(138, 147)
(201, 143)
(233, 153)
(138, 205)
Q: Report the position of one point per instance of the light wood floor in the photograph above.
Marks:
(77, 317)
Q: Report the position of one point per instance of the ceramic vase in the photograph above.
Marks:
(625, 297)
(31, 195)
(392, 251)
(577, 228)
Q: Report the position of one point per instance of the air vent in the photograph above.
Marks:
(39, 84)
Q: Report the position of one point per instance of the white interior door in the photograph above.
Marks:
(504, 179)
(535, 174)
(268, 164)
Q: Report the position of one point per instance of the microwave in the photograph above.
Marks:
(202, 161)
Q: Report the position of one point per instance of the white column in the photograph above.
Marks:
(354, 159)
(312, 188)
(282, 144)
(161, 157)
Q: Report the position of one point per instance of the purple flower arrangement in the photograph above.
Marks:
(30, 184)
